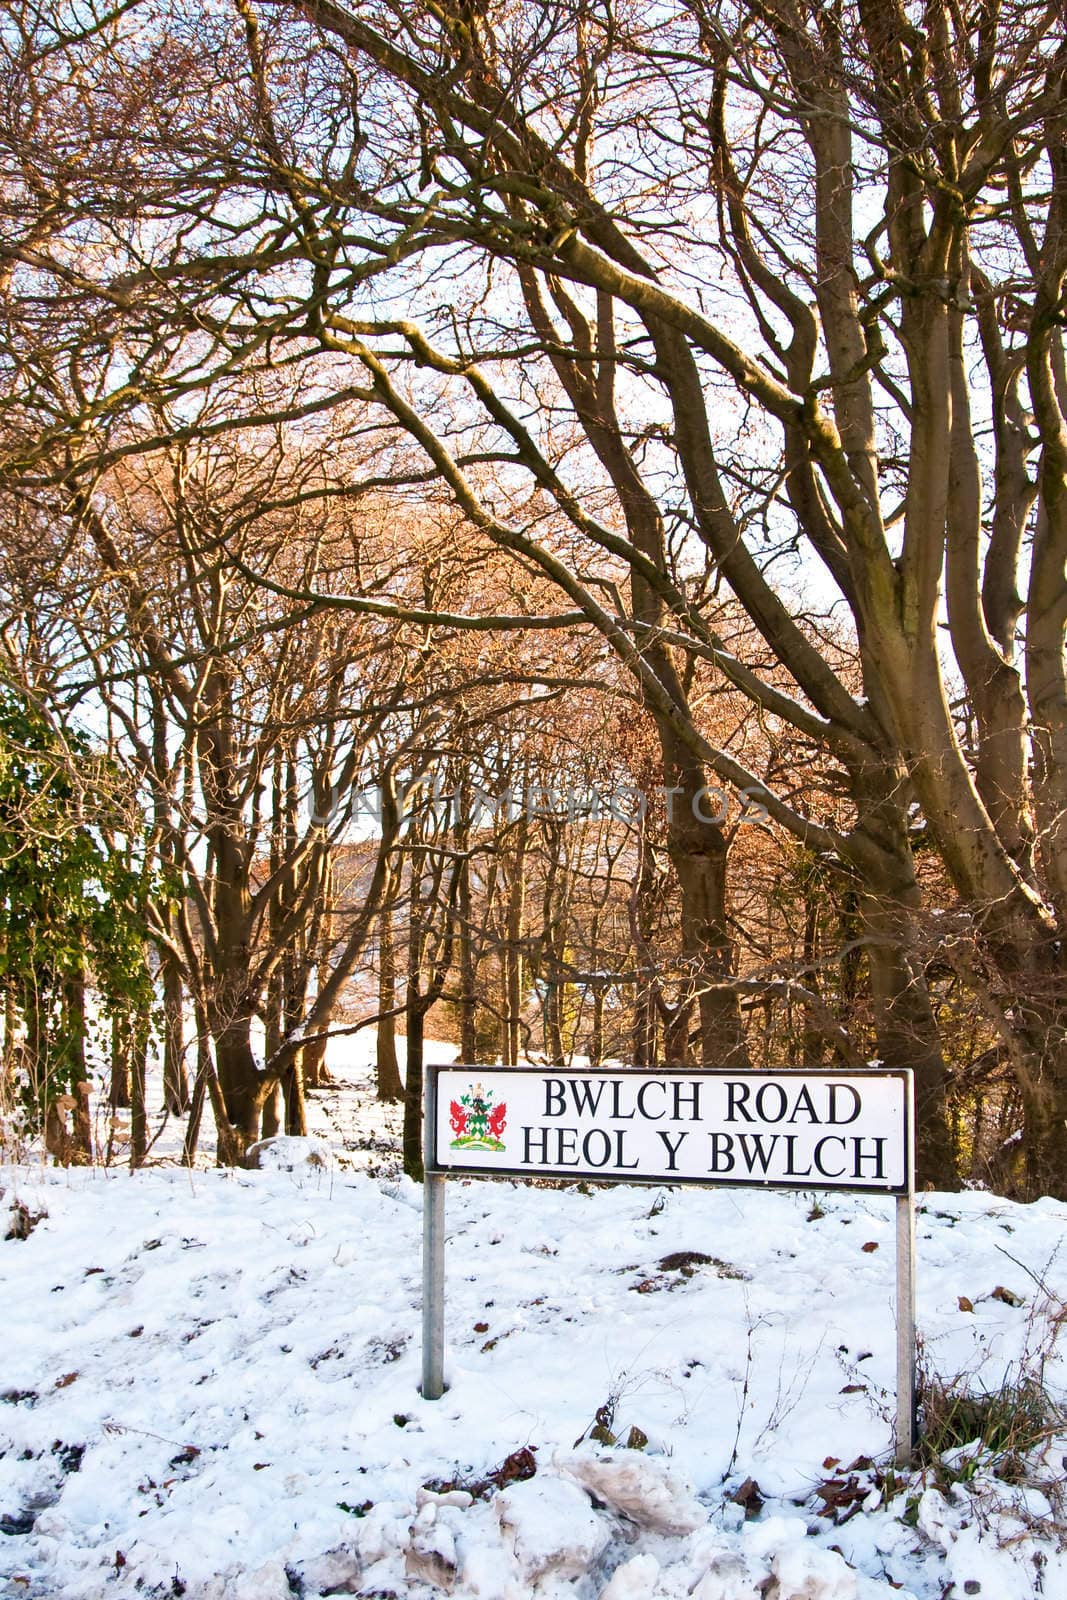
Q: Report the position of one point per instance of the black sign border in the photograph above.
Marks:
(433, 1168)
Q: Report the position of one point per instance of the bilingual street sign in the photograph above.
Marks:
(790, 1130)
(851, 1131)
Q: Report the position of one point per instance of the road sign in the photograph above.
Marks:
(788, 1130)
(852, 1131)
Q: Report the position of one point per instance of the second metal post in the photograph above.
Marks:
(905, 1420)
(433, 1288)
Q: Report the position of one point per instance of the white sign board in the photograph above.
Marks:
(782, 1130)
(793, 1130)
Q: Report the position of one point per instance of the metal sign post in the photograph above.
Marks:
(848, 1131)
(433, 1257)
(433, 1289)
(904, 1430)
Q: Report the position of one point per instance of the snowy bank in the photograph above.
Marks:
(209, 1388)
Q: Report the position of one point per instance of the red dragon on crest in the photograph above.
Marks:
(476, 1122)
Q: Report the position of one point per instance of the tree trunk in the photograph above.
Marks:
(76, 1029)
(677, 1027)
(271, 1120)
(814, 1038)
(468, 997)
(316, 1074)
(555, 1045)
(138, 1109)
(513, 962)
(1039, 1057)
(596, 1033)
(1045, 1111)
(119, 1095)
(905, 1027)
(74, 1025)
(413, 1074)
(242, 1089)
(11, 1044)
(196, 1104)
(697, 847)
(390, 1086)
(83, 1123)
(642, 923)
(175, 1078)
(906, 1033)
(296, 1121)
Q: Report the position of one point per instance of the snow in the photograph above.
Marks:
(285, 1152)
(551, 1526)
(209, 1387)
(643, 1489)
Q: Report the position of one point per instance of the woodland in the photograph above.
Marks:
(541, 523)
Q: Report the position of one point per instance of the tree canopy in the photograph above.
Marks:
(764, 300)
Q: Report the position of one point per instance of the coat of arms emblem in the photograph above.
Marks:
(476, 1122)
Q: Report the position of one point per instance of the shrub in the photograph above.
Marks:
(963, 1429)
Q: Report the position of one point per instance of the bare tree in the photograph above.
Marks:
(760, 295)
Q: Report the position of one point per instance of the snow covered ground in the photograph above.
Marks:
(208, 1387)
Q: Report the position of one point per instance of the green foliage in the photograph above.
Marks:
(72, 903)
